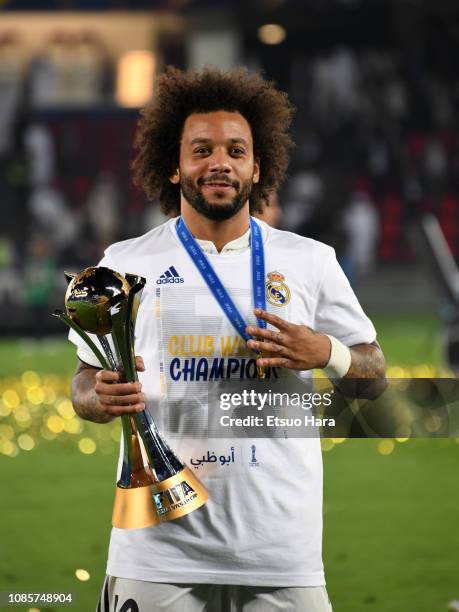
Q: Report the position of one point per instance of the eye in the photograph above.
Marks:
(237, 151)
(201, 151)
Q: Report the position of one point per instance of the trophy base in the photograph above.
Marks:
(134, 508)
(178, 495)
(162, 501)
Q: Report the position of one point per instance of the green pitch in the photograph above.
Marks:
(390, 542)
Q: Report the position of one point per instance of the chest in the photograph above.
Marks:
(177, 296)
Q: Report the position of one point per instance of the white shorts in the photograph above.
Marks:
(123, 595)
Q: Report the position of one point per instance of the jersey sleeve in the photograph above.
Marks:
(338, 312)
(83, 351)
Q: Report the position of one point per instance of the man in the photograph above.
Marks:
(212, 147)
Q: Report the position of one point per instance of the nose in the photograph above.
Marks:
(219, 162)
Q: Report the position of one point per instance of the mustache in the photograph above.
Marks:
(218, 178)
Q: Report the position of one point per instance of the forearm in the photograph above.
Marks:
(84, 398)
(366, 377)
(367, 361)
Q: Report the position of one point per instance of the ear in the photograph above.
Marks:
(256, 170)
(175, 177)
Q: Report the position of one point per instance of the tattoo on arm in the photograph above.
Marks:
(367, 361)
(84, 398)
(366, 377)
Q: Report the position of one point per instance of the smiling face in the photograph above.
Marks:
(217, 166)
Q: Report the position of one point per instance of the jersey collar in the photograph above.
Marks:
(235, 246)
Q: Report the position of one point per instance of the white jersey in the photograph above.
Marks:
(262, 525)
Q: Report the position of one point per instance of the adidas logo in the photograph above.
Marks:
(170, 276)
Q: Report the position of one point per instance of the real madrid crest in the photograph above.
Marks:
(277, 292)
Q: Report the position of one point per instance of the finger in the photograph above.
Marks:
(278, 362)
(120, 410)
(268, 347)
(273, 319)
(107, 376)
(139, 364)
(117, 389)
(123, 400)
(268, 334)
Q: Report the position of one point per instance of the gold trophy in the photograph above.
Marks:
(155, 485)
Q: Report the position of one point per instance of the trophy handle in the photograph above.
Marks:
(163, 460)
(68, 321)
(69, 276)
(134, 472)
(123, 320)
(114, 364)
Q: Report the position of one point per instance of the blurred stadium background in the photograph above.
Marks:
(376, 87)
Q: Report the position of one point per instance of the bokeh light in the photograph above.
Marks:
(10, 399)
(327, 444)
(272, 34)
(385, 447)
(82, 575)
(26, 442)
(87, 446)
(55, 423)
(65, 409)
(36, 408)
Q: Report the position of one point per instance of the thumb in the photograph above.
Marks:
(139, 364)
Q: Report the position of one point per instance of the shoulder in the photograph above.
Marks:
(294, 243)
(154, 241)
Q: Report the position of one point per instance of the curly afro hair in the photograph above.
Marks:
(179, 94)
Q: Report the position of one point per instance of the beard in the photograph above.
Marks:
(215, 212)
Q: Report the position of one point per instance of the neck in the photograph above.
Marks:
(218, 232)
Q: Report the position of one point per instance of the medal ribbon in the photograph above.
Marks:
(216, 286)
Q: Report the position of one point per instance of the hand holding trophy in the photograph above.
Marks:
(155, 485)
